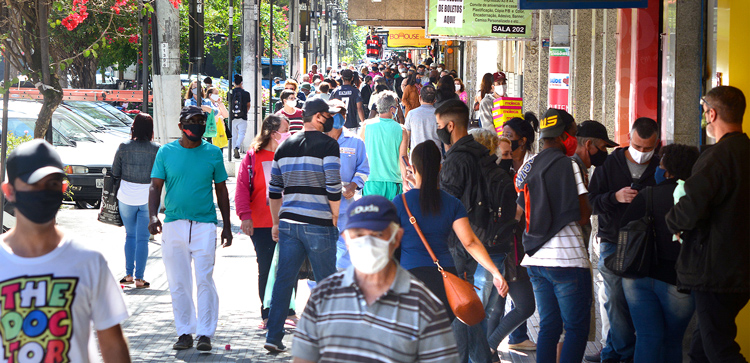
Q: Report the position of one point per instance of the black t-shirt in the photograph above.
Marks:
(350, 96)
(240, 99)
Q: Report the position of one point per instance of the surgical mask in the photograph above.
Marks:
(458, 87)
(439, 69)
(506, 164)
(640, 157)
(659, 175)
(39, 206)
(571, 143)
(598, 158)
(328, 125)
(290, 103)
(514, 145)
(403, 74)
(194, 132)
(444, 135)
(338, 121)
(369, 254)
(283, 136)
(215, 97)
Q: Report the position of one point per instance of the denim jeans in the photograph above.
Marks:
(501, 324)
(471, 343)
(135, 220)
(661, 315)
(621, 337)
(296, 241)
(563, 296)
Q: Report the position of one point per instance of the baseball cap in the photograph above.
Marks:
(316, 105)
(596, 130)
(306, 85)
(347, 74)
(190, 111)
(554, 122)
(32, 161)
(498, 76)
(373, 212)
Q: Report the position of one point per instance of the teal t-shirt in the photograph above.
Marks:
(383, 138)
(189, 175)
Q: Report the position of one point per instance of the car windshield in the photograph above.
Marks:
(71, 130)
(115, 112)
(19, 126)
(87, 122)
(90, 109)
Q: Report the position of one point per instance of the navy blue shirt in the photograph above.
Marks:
(436, 228)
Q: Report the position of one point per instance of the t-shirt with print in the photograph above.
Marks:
(567, 248)
(436, 228)
(189, 176)
(260, 211)
(240, 98)
(48, 304)
(296, 123)
(350, 96)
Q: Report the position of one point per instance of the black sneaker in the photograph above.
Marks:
(204, 343)
(273, 348)
(236, 153)
(185, 341)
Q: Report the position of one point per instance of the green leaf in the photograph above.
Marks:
(94, 53)
(96, 46)
(86, 53)
(53, 25)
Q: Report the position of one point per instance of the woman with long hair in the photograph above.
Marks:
(132, 165)
(192, 98)
(251, 197)
(461, 90)
(484, 100)
(446, 91)
(439, 214)
(410, 100)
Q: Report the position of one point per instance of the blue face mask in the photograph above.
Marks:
(338, 121)
(659, 175)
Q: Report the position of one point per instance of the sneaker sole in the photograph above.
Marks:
(180, 347)
(273, 348)
(522, 348)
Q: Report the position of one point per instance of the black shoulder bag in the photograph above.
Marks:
(636, 245)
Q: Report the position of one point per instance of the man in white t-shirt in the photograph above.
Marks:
(52, 290)
(555, 201)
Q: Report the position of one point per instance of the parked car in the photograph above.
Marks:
(98, 112)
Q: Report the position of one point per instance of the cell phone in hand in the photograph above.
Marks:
(405, 160)
(636, 186)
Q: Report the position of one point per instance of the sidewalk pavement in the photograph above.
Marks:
(150, 329)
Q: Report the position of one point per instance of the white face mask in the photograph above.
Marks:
(215, 97)
(640, 157)
(369, 254)
(439, 69)
(458, 87)
(403, 74)
(290, 103)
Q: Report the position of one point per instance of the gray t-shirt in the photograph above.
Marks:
(636, 170)
(422, 124)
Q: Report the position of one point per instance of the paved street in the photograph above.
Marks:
(150, 328)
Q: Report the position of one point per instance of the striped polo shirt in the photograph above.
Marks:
(406, 324)
(306, 171)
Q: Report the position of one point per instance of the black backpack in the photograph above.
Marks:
(493, 208)
(237, 106)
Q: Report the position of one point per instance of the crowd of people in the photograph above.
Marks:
(337, 197)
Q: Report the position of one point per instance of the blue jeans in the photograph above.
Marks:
(489, 296)
(296, 241)
(135, 220)
(661, 315)
(563, 296)
(471, 343)
(621, 338)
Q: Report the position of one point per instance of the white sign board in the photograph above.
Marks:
(450, 13)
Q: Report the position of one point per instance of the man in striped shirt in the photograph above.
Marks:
(306, 172)
(374, 311)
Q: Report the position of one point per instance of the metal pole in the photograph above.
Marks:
(6, 96)
(230, 70)
(144, 57)
(270, 43)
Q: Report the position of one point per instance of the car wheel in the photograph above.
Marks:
(88, 204)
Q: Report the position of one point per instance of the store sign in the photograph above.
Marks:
(407, 38)
(477, 19)
(559, 78)
(581, 4)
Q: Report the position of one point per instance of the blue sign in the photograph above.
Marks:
(581, 4)
(276, 61)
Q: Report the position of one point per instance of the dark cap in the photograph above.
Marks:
(190, 111)
(32, 161)
(372, 212)
(306, 85)
(237, 79)
(595, 130)
(315, 105)
(554, 122)
(498, 76)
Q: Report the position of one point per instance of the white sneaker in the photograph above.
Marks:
(524, 345)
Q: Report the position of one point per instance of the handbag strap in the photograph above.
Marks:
(649, 201)
(413, 222)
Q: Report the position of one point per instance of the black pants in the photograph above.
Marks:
(264, 247)
(431, 277)
(713, 338)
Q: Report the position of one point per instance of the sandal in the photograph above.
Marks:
(263, 324)
(141, 284)
(127, 280)
(291, 323)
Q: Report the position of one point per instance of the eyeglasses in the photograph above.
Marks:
(704, 102)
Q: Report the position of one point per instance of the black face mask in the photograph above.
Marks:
(328, 125)
(39, 206)
(444, 135)
(514, 145)
(194, 132)
(598, 158)
(506, 164)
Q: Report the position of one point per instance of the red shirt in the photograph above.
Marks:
(255, 206)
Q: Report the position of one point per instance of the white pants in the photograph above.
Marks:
(184, 242)
(239, 126)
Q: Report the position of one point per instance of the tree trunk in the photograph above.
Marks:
(85, 72)
(52, 99)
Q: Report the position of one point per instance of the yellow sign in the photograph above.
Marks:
(407, 38)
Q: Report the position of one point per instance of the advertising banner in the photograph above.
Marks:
(407, 38)
(477, 19)
(582, 4)
(559, 78)
(504, 109)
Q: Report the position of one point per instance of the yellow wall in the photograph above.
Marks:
(732, 55)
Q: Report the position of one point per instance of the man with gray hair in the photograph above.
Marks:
(386, 142)
(421, 124)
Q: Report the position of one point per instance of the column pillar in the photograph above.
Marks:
(581, 64)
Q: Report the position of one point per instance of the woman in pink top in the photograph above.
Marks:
(461, 91)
